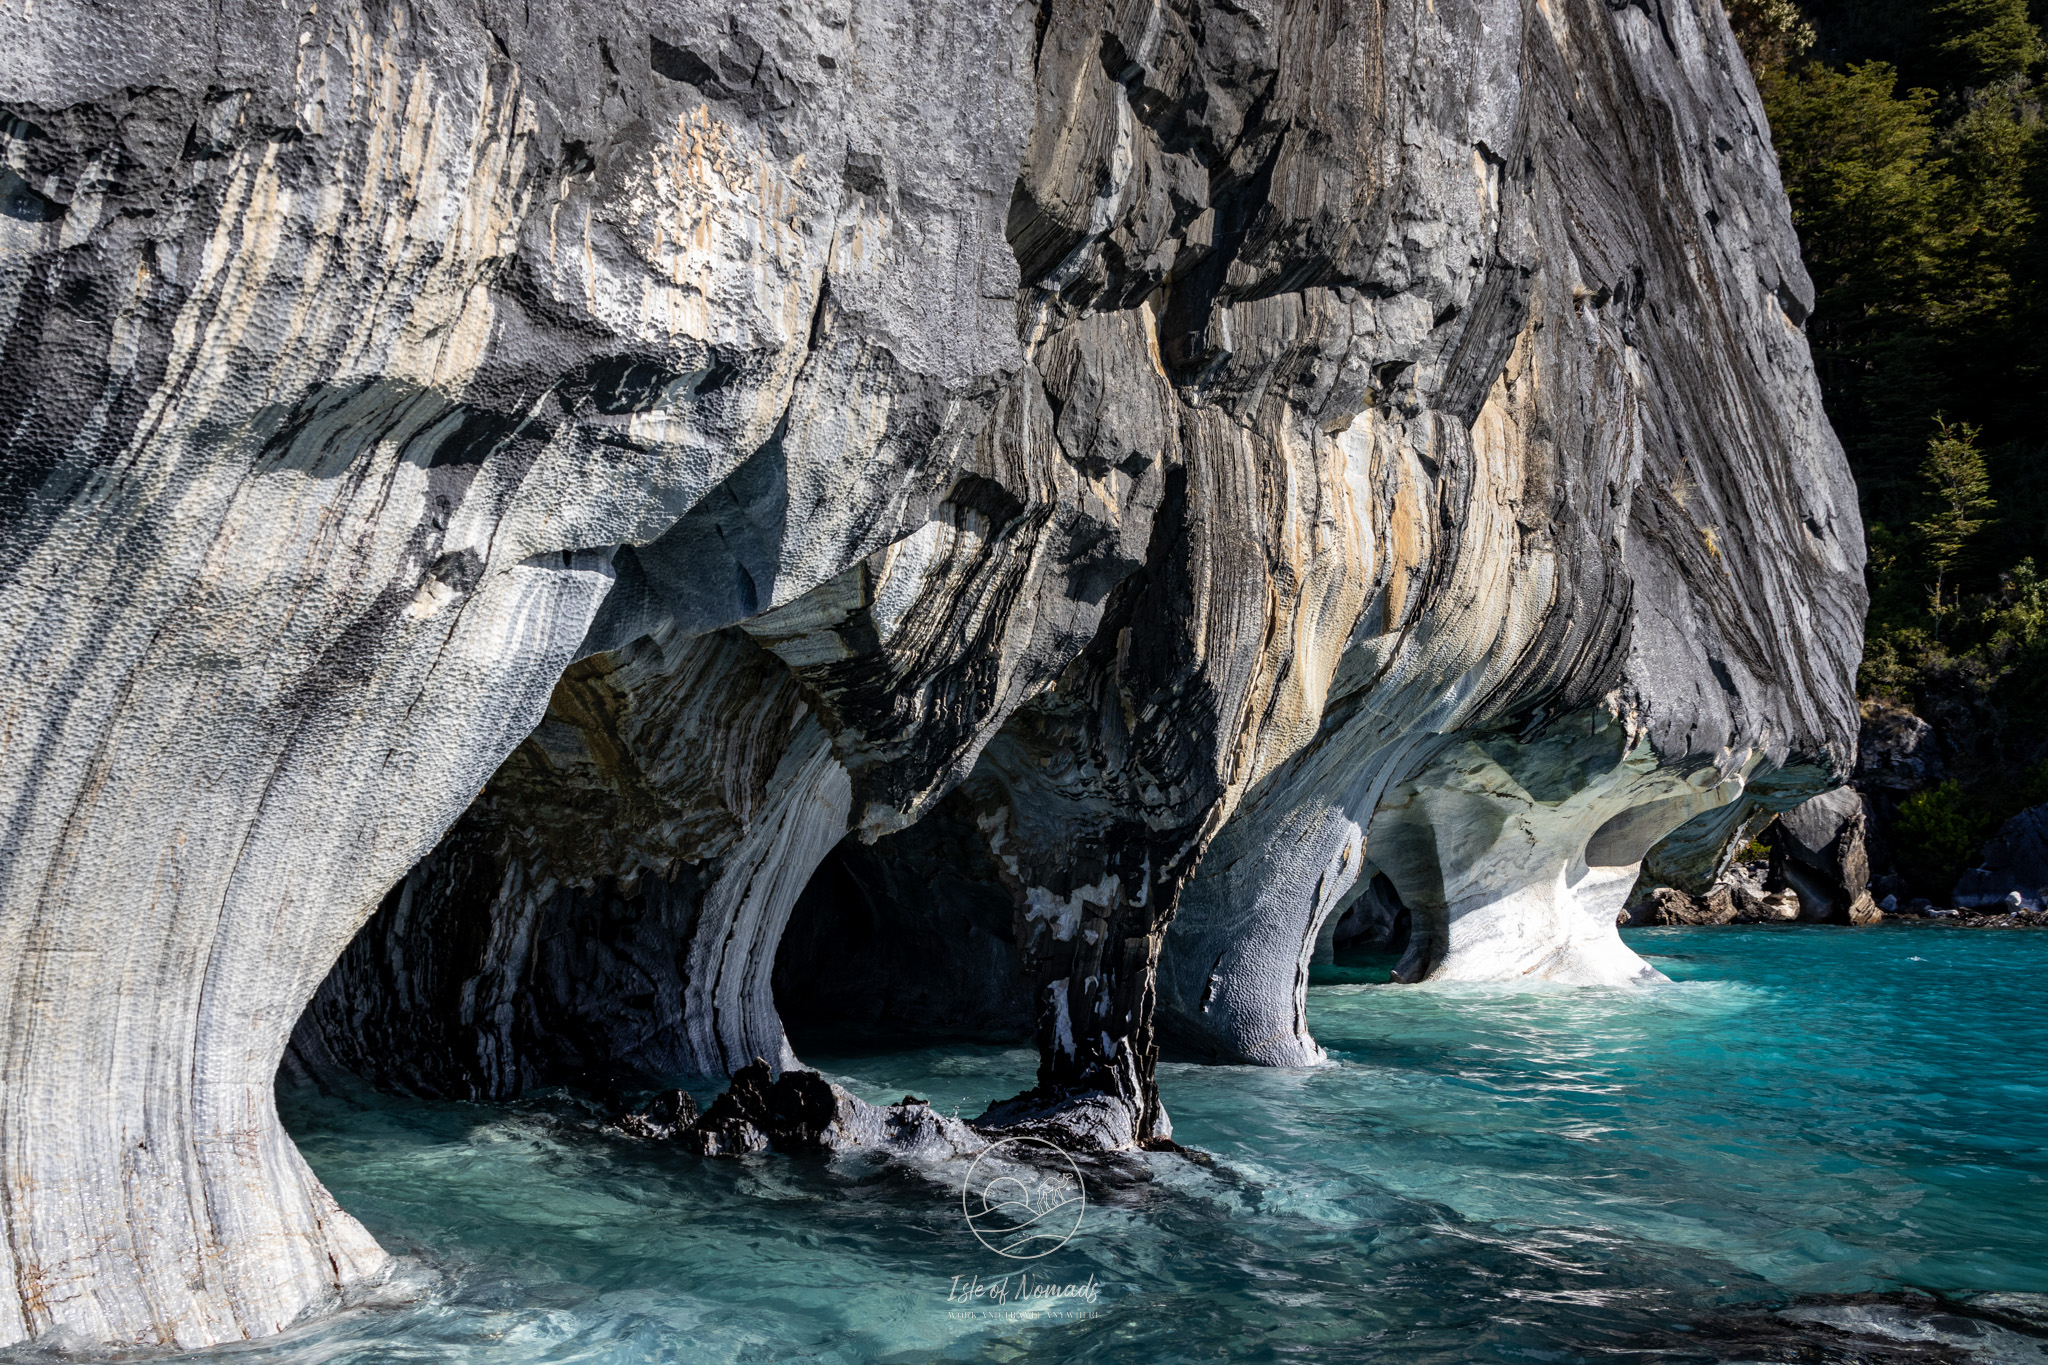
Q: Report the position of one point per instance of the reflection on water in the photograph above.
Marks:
(1479, 1175)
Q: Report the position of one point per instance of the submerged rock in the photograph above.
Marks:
(801, 1111)
(2013, 1308)
(1913, 1326)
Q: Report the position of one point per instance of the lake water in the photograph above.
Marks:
(1685, 1172)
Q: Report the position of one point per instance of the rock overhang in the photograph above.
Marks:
(1212, 456)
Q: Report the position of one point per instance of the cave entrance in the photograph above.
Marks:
(911, 938)
(1366, 938)
(474, 983)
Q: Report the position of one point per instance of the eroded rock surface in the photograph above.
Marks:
(1217, 449)
(1821, 850)
(801, 1111)
(1666, 905)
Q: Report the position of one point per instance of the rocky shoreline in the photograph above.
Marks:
(1752, 894)
(1952, 918)
(1941, 917)
(1837, 858)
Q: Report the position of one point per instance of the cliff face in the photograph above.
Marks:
(1137, 471)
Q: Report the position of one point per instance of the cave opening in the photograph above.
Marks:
(911, 938)
(473, 983)
(1370, 923)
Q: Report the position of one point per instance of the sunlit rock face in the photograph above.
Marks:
(1614, 595)
(1210, 449)
(343, 350)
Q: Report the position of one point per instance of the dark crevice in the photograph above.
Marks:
(910, 936)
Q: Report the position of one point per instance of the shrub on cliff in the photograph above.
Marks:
(1936, 835)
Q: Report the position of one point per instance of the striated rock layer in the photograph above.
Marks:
(1205, 458)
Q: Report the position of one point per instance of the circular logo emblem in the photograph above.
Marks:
(1023, 1198)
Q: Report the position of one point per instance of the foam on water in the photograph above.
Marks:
(1479, 1174)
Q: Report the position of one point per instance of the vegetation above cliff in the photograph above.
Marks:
(1910, 138)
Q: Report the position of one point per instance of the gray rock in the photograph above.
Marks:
(670, 1115)
(1666, 905)
(1782, 906)
(1820, 850)
(801, 1111)
(1815, 824)
(1719, 904)
(2012, 866)
(1755, 898)
(1896, 751)
(1089, 1123)
(1218, 449)
(391, 339)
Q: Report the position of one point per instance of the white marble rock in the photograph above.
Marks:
(1218, 447)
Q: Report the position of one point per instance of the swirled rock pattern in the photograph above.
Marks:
(1222, 453)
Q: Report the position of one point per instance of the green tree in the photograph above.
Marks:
(1863, 168)
(1988, 214)
(1770, 32)
(1935, 836)
(1961, 489)
(1982, 42)
(1911, 141)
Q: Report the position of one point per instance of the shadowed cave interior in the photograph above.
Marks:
(910, 939)
(911, 936)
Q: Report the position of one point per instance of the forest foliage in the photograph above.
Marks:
(1910, 139)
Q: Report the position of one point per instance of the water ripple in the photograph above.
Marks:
(1480, 1175)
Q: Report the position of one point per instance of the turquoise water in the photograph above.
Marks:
(1480, 1175)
